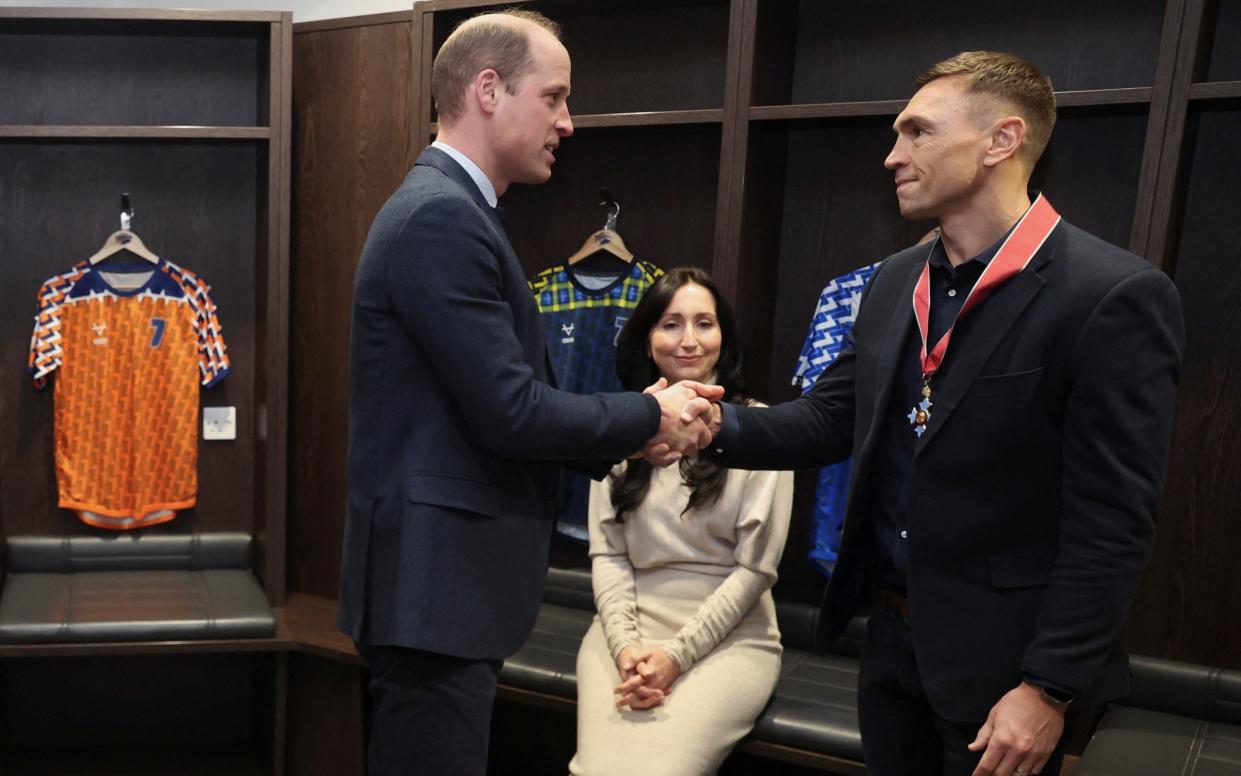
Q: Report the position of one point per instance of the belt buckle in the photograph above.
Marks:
(899, 604)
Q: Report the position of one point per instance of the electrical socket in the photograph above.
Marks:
(219, 422)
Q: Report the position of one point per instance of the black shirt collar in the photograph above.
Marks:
(939, 257)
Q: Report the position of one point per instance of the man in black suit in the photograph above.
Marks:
(456, 436)
(1007, 471)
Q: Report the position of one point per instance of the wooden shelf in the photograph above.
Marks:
(1136, 95)
(143, 14)
(124, 132)
(821, 110)
(649, 119)
(308, 624)
(1215, 90)
(645, 119)
(884, 108)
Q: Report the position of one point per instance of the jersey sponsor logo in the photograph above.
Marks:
(99, 327)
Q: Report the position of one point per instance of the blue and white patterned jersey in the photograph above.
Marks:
(833, 318)
(583, 323)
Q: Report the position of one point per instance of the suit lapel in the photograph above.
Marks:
(992, 321)
(894, 342)
(890, 353)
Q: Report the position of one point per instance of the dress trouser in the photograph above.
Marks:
(431, 713)
(901, 734)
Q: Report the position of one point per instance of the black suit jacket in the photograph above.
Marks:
(455, 435)
(1032, 493)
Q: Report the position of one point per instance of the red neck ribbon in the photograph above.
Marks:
(1016, 252)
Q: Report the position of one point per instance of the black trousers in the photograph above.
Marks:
(431, 713)
(901, 734)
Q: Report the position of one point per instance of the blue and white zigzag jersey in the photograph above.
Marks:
(833, 318)
(584, 315)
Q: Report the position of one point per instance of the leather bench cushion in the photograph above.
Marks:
(1185, 688)
(1141, 742)
(814, 706)
(569, 588)
(547, 662)
(134, 606)
(127, 551)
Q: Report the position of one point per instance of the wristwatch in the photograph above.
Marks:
(1053, 695)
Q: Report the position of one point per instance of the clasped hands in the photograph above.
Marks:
(689, 416)
(646, 677)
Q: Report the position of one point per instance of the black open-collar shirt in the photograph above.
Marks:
(889, 511)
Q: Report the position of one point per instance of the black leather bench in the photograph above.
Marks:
(812, 716)
(131, 587)
(1178, 719)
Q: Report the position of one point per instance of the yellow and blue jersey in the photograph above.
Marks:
(829, 328)
(127, 366)
(582, 326)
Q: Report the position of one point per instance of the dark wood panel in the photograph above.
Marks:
(210, 760)
(667, 201)
(86, 703)
(131, 72)
(196, 204)
(1223, 57)
(1185, 607)
(652, 57)
(1091, 166)
(326, 710)
(860, 51)
(351, 150)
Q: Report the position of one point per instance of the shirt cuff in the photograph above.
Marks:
(726, 437)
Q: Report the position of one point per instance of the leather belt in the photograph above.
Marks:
(897, 603)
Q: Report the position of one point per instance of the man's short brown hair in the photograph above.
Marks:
(1009, 79)
(489, 40)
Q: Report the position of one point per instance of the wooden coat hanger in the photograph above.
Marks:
(606, 239)
(603, 240)
(124, 240)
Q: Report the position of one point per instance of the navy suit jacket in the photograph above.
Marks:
(455, 435)
(1032, 493)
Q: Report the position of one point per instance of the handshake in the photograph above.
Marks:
(689, 417)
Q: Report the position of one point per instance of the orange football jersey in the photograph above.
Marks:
(128, 364)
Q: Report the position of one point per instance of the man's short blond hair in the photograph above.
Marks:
(489, 40)
(1011, 80)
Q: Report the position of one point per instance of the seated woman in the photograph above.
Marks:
(685, 651)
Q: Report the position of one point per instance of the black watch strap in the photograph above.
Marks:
(1055, 695)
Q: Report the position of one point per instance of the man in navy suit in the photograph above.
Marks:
(1007, 396)
(456, 435)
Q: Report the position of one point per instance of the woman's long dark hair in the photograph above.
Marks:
(637, 370)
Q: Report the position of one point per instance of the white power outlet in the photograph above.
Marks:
(219, 422)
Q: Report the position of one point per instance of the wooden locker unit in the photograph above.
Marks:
(188, 112)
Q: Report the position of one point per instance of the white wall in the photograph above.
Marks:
(303, 10)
